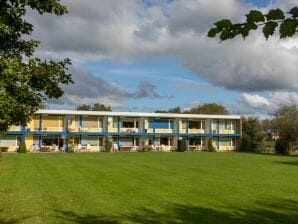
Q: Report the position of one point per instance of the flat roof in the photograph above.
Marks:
(136, 114)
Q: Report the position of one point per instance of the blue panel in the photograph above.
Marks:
(161, 124)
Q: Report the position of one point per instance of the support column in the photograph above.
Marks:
(66, 133)
(143, 131)
(186, 125)
(118, 142)
(39, 129)
(118, 125)
(210, 128)
(106, 128)
(40, 123)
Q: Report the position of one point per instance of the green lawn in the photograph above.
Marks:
(148, 188)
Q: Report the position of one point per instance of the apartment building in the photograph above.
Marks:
(62, 130)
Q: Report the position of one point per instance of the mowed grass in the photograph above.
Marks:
(148, 188)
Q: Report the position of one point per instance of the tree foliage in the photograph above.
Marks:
(286, 122)
(174, 110)
(210, 146)
(252, 135)
(95, 107)
(26, 81)
(275, 19)
(208, 108)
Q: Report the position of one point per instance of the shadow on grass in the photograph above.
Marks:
(278, 212)
(288, 162)
(4, 220)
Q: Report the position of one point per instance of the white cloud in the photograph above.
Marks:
(268, 104)
(126, 30)
(255, 101)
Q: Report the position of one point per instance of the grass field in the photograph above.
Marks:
(148, 188)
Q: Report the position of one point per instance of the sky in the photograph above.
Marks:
(144, 55)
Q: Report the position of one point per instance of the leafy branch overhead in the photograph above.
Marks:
(26, 81)
(274, 20)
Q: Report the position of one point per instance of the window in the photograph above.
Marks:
(225, 142)
(126, 141)
(6, 141)
(194, 124)
(164, 141)
(127, 124)
(183, 124)
(194, 141)
(52, 121)
(91, 122)
(115, 122)
(92, 140)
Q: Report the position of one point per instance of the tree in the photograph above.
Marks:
(85, 107)
(268, 127)
(26, 81)
(95, 107)
(208, 108)
(252, 135)
(174, 110)
(286, 122)
(274, 19)
(101, 107)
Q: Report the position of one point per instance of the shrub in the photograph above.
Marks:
(71, 144)
(181, 145)
(211, 148)
(22, 147)
(108, 145)
(281, 147)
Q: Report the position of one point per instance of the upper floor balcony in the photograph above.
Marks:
(85, 124)
(224, 127)
(14, 128)
(192, 126)
(159, 126)
(127, 125)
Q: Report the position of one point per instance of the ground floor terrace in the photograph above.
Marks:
(58, 142)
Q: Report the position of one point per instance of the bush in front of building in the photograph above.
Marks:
(281, 147)
(211, 148)
(22, 147)
(182, 145)
(108, 145)
(71, 144)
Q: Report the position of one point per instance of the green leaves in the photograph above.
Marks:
(269, 29)
(275, 14)
(294, 12)
(270, 22)
(212, 32)
(222, 24)
(254, 16)
(23, 86)
(288, 28)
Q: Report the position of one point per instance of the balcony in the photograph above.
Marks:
(129, 130)
(227, 148)
(14, 128)
(164, 130)
(53, 129)
(226, 131)
(196, 131)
